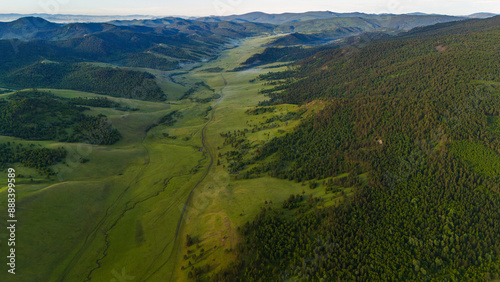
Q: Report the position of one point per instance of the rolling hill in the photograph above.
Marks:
(25, 28)
(30, 42)
(290, 18)
(253, 148)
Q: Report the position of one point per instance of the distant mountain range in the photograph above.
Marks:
(165, 43)
(36, 52)
(248, 17)
(307, 16)
(145, 42)
(30, 28)
(61, 18)
(331, 25)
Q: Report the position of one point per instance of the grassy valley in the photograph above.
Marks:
(220, 149)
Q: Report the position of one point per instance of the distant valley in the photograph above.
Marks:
(315, 146)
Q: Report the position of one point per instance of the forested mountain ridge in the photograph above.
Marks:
(290, 18)
(165, 44)
(37, 53)
(84, 77)
(31, 28)
(381, 154)
(107, 43)
(348, 71)
(413, 121)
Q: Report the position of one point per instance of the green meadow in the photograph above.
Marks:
(222, 203)
(77, 224)
(120, 211)
(127, 209)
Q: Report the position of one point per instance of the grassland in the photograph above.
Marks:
(129, 208)
(76, 225)
(221, 204)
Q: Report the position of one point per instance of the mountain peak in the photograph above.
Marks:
(32, 20)
(24, 28)
(32, 23)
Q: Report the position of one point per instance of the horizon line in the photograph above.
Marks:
(150, 15)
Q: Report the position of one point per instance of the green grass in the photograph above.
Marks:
(117, 207)
(221, 204)
(51, 222)
(157, 216)
(482, 159)
(173, 83)
(120, 184)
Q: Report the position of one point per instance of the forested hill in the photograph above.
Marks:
(163, 44)
(32, 28)
(294, 18)
(38, 53)
(461, 50)
(414, 122)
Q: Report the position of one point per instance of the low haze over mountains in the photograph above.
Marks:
(313, 146)
(167, 43)
(253, 17)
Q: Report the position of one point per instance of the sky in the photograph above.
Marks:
(230, 7)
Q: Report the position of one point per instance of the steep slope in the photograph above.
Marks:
(347, 71)
(295, 38)
(408, 124)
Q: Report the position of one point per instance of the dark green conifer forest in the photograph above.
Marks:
(377, 137)
(412, 120)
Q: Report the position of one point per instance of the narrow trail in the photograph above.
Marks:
(207, 148)
(165, 181)
(91, 236)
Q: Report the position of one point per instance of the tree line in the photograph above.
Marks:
(416, 120)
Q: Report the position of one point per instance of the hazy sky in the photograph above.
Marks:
(228, 7)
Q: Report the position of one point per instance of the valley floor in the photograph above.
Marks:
(128, 210)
